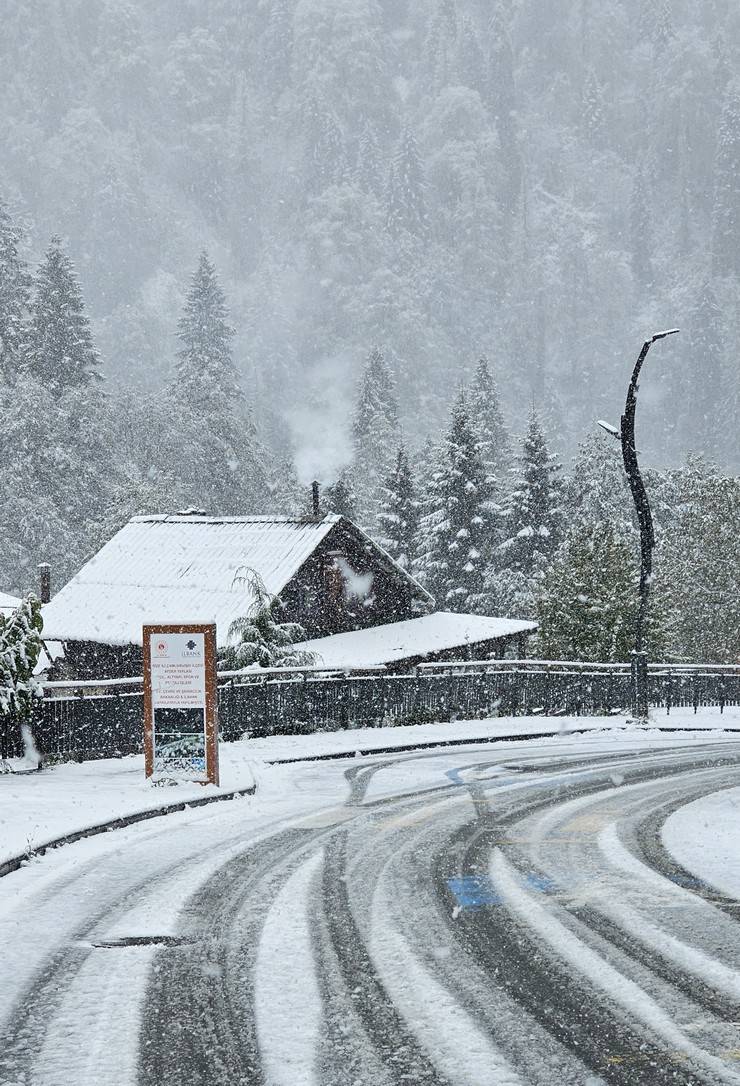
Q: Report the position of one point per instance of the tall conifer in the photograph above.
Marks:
(61, 351)
(398, 518)
(457, 524)
(15, 286)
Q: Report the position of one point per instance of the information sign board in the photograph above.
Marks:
(180, 703)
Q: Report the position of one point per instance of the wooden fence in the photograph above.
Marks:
(88, 720)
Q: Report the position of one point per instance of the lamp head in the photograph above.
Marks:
(607, 426)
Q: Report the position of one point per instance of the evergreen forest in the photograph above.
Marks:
(410, 250)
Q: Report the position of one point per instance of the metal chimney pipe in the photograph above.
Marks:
(45, 576)
(315, 498)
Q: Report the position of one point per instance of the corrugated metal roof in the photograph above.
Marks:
(167, 569)
(396, 641)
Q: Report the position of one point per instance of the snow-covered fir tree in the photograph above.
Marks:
(597, 489)
(205, 371)
(20, 647)
(15, 288)
(398, 519)
(60, 468)
(587, 604)
(487, 417)
(697, 566)
(533, 517)
(456, 520)
(220, 462)
(61, 354)
(340, 497)
(532, 528)
(375, 436)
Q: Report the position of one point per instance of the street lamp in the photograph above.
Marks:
(626, 433)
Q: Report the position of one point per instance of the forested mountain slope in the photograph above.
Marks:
(542, 183)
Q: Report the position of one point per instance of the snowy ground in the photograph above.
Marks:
(704, 836)
(496, 913)
(36, 808)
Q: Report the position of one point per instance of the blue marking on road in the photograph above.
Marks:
(686, 880)
(474, 892)
(542, 883)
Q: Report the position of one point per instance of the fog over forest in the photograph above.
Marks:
(543, 184)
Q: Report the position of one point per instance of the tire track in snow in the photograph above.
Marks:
(552, 1002)
(287, 999)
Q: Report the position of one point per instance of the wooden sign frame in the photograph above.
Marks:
(211, 694)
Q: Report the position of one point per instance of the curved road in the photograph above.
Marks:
(450, 917)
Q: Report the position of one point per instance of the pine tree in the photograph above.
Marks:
(587, 606)
(375, 434)
(698, 567)
(726, 216)
(406, 200)
(597, 490)
(533, 517)
(398, 519)
(494, 441)
(20, 648)
(340, 497)
(15, 287)
(457, 524)
(61, 353)
(205, 373)
(220, 462)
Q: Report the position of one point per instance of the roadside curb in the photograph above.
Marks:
(365, 752)
(16, 862)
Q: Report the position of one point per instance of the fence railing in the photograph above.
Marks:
(98, 719)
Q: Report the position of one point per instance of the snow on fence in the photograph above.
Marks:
(103, 718)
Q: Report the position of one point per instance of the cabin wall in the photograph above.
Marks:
(321, 598)
(91, 660)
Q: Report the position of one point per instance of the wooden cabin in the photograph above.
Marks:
(330, 576)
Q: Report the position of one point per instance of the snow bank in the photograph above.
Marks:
(704, 836)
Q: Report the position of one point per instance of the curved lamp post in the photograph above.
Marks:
(626, 433)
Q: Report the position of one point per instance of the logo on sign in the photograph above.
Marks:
(161, 648)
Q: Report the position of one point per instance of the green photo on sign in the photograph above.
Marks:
(179, 743)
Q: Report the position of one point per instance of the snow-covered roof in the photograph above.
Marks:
(176, 569)
(396, 641)
(8, 603)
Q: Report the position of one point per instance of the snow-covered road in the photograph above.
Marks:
(461, 916)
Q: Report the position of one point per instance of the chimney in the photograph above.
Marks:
(45, 575)
(315, 498)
